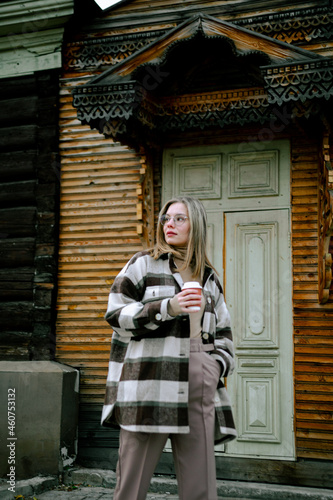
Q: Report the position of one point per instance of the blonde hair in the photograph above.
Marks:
(196, 253)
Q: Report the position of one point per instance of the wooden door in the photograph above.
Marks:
(246, 191)
(258, 293)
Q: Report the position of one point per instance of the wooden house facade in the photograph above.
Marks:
(229, 101)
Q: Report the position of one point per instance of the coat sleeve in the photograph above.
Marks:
(128, 312)
(223, 343)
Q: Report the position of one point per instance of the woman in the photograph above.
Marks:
(167, 361)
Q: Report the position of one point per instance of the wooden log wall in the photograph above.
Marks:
(100, 212)
(313, 322)
(29, 188)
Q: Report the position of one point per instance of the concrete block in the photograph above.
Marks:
(92, 477)
(38, 418)
(29, 487)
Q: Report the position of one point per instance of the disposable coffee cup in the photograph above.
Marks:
(196, 288)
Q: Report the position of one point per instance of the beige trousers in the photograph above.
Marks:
(193, 453)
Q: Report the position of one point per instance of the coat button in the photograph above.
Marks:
(205, 336)
(158, 316)
(209, 300)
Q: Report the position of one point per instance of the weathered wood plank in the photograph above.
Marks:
(86, 339)
(313, 322)
(92, 190)
(309, 332)
(75, 197)
(304, 232)
(17, 316)
(15, 194)
(92, 305)
(18, 138)
(304, 211)
(17, 252)
(95, 236)
(101, 214)
(18, 222)
(17, 166)
(17, 87)
(18, 111)
(306, 278)
(314, 313)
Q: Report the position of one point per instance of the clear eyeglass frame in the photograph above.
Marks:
(177, 219)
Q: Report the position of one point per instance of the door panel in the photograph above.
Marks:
(198, 176)
(256, 270)
(258, 295)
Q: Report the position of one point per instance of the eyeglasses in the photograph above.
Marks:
(177, 219)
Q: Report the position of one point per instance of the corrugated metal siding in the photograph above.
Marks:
(313, 323)
(98, 233)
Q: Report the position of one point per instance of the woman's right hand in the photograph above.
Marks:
(184, 300)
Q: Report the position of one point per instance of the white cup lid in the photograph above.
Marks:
(191, 284)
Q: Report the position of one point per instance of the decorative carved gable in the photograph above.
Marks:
(301, 26)
(203, 73)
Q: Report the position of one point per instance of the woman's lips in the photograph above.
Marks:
(171, 233)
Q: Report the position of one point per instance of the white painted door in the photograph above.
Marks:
(246, 191)
(258, 293)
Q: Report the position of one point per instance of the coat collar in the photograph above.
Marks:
(207, 273)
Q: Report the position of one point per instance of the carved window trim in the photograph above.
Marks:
(325, 222)
(145, 205)
(294, 27)
(107, 51)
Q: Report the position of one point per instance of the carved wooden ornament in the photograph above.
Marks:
(325, 223)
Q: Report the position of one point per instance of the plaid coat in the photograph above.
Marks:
(147, 383)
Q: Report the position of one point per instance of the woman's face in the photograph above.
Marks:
(177, 235)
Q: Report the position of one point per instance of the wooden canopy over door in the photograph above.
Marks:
(166, 87)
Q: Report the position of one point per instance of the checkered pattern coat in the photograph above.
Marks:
(147, 383)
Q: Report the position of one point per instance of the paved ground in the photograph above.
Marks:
(98, 493)
(95, 484)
